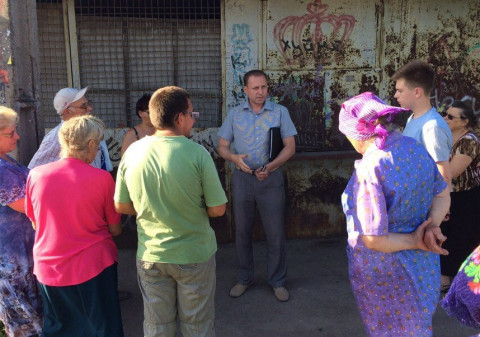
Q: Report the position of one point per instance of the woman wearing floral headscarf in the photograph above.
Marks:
(394, 277)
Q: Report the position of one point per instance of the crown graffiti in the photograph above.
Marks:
(298, 36)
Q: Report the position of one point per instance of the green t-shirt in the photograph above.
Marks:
(170, 181)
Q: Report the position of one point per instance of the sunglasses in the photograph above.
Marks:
(451, 117)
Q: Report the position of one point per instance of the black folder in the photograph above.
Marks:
(276, 143)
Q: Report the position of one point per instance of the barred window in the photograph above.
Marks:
(123, 49)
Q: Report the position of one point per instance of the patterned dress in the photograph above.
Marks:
(462, 229)
(463, 298)
(391, 190)
(20, 304)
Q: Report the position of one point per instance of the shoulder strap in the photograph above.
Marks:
(136, 133)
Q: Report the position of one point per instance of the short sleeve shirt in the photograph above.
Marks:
(467, 145)
(432, 132)
(249, 131)
(49, 151)
(391, 190)
(171, 180)
(72, 205)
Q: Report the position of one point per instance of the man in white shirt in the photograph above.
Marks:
(69, 103)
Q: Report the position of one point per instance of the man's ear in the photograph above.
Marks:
(179, 119)
(418, 92)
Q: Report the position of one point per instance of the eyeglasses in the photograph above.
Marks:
(11, 134)
(451, 117)
(84, 106)
(193, 114)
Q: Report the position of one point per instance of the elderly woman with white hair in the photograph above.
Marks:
(395, 187)
(71, 205)
(20, 303)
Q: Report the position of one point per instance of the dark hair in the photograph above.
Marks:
(417, 74)
(142, 103)
(466, 112)
(166, 103)
(256, 73)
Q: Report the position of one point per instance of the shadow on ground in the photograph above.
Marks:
(321, 302)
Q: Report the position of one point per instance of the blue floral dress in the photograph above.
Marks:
(20, 303)
(391, 190)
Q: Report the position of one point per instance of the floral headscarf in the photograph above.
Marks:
(359, 114)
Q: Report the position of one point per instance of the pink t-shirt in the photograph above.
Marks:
(71, 204)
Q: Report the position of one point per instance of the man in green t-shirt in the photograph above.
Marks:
(170, 183)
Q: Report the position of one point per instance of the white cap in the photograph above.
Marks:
(67, 96)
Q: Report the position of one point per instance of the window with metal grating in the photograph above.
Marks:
(53, 57)
(126, 48)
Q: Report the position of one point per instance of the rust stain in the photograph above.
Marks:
(369, 83)
(302, 95)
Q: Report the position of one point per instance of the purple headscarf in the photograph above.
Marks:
(359, 114)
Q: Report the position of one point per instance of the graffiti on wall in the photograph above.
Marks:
(316, 35)
(240, 58)
(313, 101)
(445, 102)
(205, 137)
(457, 73)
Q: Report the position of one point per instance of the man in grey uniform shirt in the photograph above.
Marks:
(258, 181)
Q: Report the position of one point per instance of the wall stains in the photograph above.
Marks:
(457, 71)
(313, 196)
(302, 95)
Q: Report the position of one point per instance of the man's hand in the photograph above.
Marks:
(262, 173)
(433, 239)
(237, 159)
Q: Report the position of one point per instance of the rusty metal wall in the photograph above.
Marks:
(319, 53)
(444, 33)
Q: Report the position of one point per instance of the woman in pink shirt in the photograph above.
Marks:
(75, 258)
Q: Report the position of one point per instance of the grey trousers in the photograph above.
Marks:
(184, 290)
(269, 196)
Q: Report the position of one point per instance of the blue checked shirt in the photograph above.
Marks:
(249, 131)
(49, 151)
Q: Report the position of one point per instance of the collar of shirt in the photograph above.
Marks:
(268, 105)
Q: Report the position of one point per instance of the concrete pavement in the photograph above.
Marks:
(321, 302)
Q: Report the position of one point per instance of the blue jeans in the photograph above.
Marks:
(187, 288)
(269, 196)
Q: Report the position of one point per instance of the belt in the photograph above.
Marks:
(253, 170)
